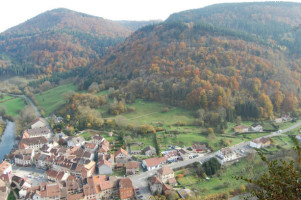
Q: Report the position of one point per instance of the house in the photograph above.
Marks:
(75, 141)
(241, 129)
(256, 128)
(298, 137)
(167, 189)
(37, 132)
(255, 144)
(126, 188)
(121, 156)
(265, 142)
(44, 191)
(225, 155)
(32, 143)
(23, 157)
(105, 167)
(166, 174)
(155, 185)
(171, 155)
(153, 163)
(78, 196)
(199, 148)
(38, 123)
(4, 190)
(73, 184)
(91, 147)
(56, 176)
(132, 168)
(103, 187)
(184, 154)
(5, 168)
(278, 120)
(149, 151)
(97, 139)
(260, 143)
(103, 150)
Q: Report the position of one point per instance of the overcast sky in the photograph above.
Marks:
(14, 12)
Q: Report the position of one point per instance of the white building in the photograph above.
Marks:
(153, 163)
(38, 123)
(225, 155)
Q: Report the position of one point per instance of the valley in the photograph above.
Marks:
(203, 105)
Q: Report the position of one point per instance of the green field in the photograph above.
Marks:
(52, 99)
(13, 105)
(151, 113)
(223, 183)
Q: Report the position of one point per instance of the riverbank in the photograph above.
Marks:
(2, 128)
(7, 139)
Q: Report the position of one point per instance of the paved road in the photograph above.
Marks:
(140, 180)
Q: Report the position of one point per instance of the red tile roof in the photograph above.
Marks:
(165, 170)
(154, 161)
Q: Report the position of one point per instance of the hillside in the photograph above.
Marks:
(135, 25)
(196, 64)
(57, 40)
(269, 20)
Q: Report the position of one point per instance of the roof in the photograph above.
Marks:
(90, 145)
(125, 183)
(104, 185)
(150, 162)
(154, 180)
(35, 131)
(256, 124)
(165, 171)
(226, 151)
(37, 120)
(264, 140)
(75, 196)
(149, 148)
(166, 187)
(4, 165)
(121, 151)
(104, 162)
(97, 137)
(132, 165)
(53, 190)
(32, 141)
(241, 127)
(199, 147)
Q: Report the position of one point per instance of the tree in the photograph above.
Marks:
(281, 181)
(211, 135)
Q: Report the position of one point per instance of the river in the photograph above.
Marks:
(7, 140)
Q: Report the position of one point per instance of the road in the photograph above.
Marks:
(140, 180)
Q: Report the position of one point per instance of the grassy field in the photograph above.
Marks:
(52, 99)
(223, 183)
(151, 113)
(13, 105)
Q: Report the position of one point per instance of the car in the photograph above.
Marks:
(138, 192)
(140, 196)
(137, 189)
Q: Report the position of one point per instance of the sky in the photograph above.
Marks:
(14, 12)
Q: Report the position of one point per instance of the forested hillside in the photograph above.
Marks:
(56, 41)
(213, 64)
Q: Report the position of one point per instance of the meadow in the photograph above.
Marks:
(53, 99)
(13, 105)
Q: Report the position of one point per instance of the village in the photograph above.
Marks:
(72, 168)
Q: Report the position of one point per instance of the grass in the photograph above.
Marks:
(151, 113)
(11, 196)
(52, 99)
(13, 105)
(223, 183)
